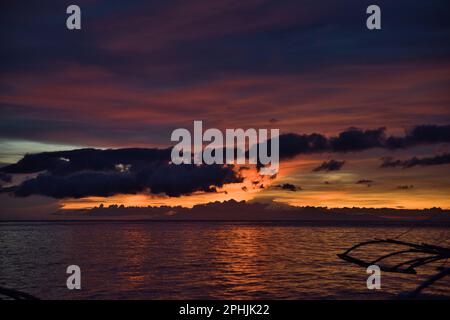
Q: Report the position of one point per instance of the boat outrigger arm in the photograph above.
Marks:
(423, 255)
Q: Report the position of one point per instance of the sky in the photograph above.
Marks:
(137, 70)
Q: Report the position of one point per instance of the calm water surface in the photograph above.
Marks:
(199, 260)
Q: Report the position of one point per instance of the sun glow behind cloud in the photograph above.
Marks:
(252, 184)
(332, 189)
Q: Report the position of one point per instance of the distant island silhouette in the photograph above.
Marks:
(252, 211)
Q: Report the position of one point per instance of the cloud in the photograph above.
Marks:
(292, 144)
(428, 161)
(332, 165)
(288, 187)
(93, 172)
(156, 32)
(405, 187)
(66, 162)
(165, 63)
(424, 134)
(171, 180)
(355, 140)
(252, 211)
(365, 181)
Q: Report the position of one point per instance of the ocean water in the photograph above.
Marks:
(200, 260)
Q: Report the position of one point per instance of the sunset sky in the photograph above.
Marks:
(137, 70)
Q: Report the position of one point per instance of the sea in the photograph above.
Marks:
(205, 260)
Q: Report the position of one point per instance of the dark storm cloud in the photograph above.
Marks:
(424, 134)
(166, 179)
(93, 172)
(354, 140)
(292, 144)
(66, 162)
(428, 161)
(288, 187)
(332, 165)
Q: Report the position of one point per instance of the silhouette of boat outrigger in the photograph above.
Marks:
(412, 256)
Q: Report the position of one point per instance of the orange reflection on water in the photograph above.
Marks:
(137, 242)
